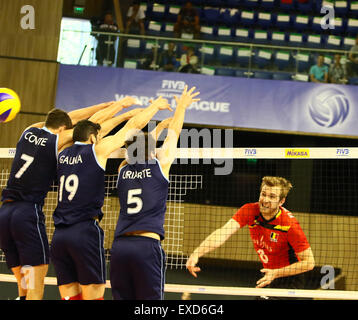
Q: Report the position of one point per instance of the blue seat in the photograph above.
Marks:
(353, 8)
(226, 55)
(303, 61)
(261, 36)
(282, 76)
(172, 13)
(265, 19)
(316, 24)
(243, 34)
(279, 38)
(283, 21)
(155, 28)
(158, 11)
(282, 59)
(243, 56)
(210, 16)
(229, 17)
(301, 22)
(287, 6)
(232, 3)
(225, 33)
(262, 75)
(225, 72)
(334, 42)
(247, 18)
(208, 32)
(348, 42)
(209, 53)
(134, 48)
(341, 8)
(268, 4)
(250, 3)
(352, 26)
(263, 58)
(315, 40)
(304, 7)
(296, 39)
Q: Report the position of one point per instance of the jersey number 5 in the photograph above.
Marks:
(133, 198)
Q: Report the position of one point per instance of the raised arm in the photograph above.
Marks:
(110, 124)
(213, 241)
(168, 150)
(107, 113)
(87, 112)
(160, 127)
(111, 143)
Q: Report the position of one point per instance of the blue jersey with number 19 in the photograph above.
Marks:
(80, 185)
(143, 192)
(34, 167)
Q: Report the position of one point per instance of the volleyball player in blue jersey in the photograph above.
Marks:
(23, 236)
(137, 266)
(77, 245)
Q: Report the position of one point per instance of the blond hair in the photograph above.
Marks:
(285, 185)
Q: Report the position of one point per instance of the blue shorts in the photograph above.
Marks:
(77, 253)
(23, 235)
(137, 269)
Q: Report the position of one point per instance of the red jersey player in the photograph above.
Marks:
(276, 235)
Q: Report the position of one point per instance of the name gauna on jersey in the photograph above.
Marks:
(70, 160)
(29, 136)
(145, 173)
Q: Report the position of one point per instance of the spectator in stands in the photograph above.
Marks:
(189, 61)
(337, 73)
(187, 21)
(168, 59)
(319, 72)
(105, 51)
(352, 67)
(135, 19)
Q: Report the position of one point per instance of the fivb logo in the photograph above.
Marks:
(173, 85)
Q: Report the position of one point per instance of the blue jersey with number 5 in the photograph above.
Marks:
(143, 192)
(34, 166)
(81, 185)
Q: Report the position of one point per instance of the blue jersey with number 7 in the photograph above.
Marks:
(143, 192)
(33, 168)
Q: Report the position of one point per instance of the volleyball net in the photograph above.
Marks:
(208, 185)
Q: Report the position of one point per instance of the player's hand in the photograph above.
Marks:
(270, 275)
(127, 102)
(162, 104)
(187, 97)
(191, 265)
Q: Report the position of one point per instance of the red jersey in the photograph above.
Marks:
(276, 241)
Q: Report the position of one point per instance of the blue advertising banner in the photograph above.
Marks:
(225, 101)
